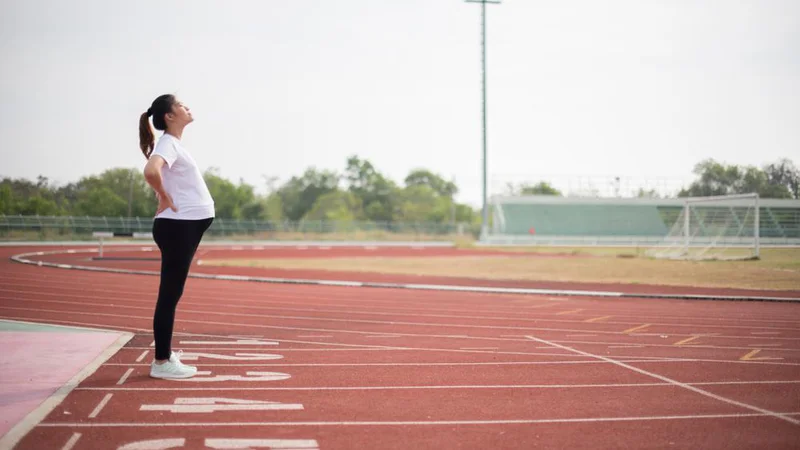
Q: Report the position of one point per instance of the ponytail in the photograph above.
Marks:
(161, 106)
(146, 138)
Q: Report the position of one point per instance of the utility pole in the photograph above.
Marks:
(485, 215)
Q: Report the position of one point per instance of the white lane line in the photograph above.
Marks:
(72, 441)
(355, 332)
(479, 348)
(671, 381)
(413, 364)
(124, 377)
(315, 336)
(434, 387)
(141, 357)
(401, 423)
(100, 406)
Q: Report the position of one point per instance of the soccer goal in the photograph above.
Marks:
(713, 228)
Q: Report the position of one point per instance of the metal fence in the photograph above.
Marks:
(81, 227)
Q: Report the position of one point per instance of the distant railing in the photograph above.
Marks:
(19, 227)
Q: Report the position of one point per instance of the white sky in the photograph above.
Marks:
(639, 88)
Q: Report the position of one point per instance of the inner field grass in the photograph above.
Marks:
(777, 269)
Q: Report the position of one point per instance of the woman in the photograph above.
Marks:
(185, 211)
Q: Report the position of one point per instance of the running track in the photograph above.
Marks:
(302, 366)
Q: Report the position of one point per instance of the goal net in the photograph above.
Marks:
(713, 228)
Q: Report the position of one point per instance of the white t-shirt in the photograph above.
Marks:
(183, 182)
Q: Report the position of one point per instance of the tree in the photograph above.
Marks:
(423, 177)
(232, 201)
(715, 178)
(98, 200)
(299, 193)
(336, 205)
(8, 204)
(540, 188)
(784, 173)
(377, 194)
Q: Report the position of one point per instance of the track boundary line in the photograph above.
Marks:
(22, 258)
(35, 417)
(673, 382)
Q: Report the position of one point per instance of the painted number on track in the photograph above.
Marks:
(194, 356)
(226, 444)
(250, 376)
(213, 404)
(236, 342)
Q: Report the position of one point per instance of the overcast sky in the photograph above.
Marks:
(641, 89)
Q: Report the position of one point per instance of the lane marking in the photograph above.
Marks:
(236, 342)
(598, 319)
(315, 336)
(399, 423)
(581, 335)
(124, 377)
(479, 348)
(765, 332)
(100, 406)
(277, 301)
(328, 330)
(767, 345)
(671, 381)
(434, 387)
(362, 346)
(751, 356)
(447, 364)
(687, 340)
(214, 404)
(141, 357)
(626, 346)
(572, 311)
(640, 327)
(72, 441)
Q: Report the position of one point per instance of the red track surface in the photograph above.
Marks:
(380, 368)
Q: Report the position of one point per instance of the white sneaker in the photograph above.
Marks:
(173, 368)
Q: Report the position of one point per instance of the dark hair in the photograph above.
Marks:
(160, 107)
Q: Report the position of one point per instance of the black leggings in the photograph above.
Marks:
(178, 241)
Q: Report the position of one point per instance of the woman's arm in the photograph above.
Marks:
(152, 173)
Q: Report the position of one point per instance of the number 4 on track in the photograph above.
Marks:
(213, 404)
(228, 444)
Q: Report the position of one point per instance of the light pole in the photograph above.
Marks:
(485, 214)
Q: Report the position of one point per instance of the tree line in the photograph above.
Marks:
(360, 192)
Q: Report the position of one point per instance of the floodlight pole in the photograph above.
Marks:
(485, 213)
